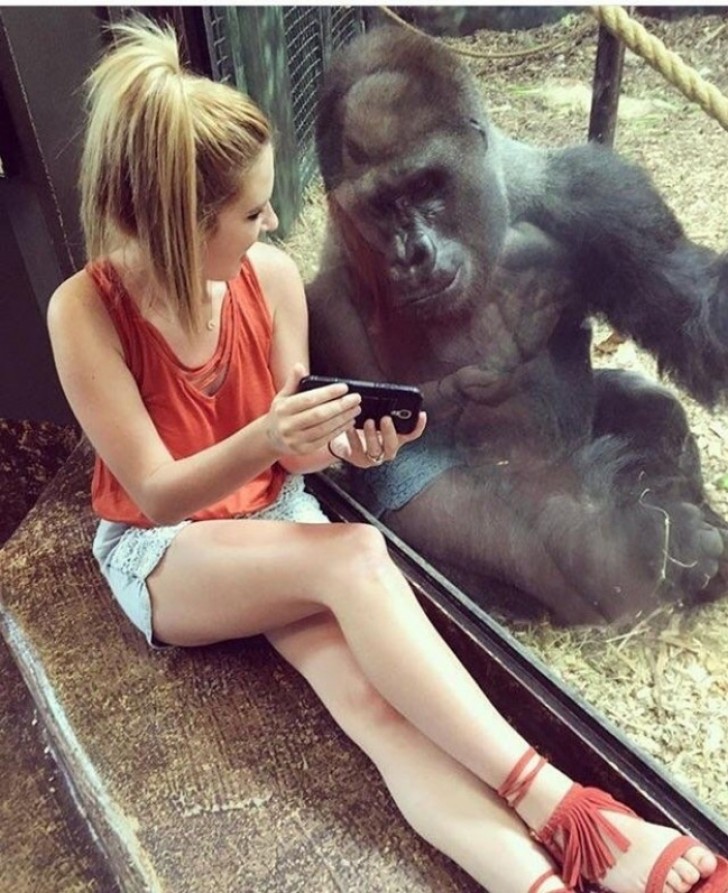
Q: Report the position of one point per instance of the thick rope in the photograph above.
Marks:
(669, 64)
(492, 57)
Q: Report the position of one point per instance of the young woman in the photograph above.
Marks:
(180, 347)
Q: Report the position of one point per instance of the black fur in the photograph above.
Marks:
(469, 263)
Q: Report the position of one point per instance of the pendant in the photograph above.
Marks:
(210, 325)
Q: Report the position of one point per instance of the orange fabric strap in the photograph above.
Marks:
(517, 785)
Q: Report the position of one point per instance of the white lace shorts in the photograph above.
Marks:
(127, 555)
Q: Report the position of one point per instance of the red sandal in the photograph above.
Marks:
(583, 830)
(538, 883)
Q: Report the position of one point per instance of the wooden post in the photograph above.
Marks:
(606, 87)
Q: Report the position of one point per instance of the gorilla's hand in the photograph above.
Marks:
(511, 324)
(476, 384)
(532, 286)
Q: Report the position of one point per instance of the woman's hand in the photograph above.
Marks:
(369, 446)
(301, 424)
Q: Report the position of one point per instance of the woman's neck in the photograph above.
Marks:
(143, 287)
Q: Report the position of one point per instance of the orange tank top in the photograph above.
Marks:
(187, 418)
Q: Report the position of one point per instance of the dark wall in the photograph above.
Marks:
(45, 54)
(28, 384)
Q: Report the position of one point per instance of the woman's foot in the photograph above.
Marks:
(647, 842)
(624, 853)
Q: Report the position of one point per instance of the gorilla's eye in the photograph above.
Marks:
(425, 185)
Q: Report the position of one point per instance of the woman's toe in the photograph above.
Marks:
(675, 881)
(688, 871)
(702, 860)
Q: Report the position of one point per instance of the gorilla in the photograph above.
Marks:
(469, 264)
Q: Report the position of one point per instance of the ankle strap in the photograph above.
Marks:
(547, 875)
(515, 787)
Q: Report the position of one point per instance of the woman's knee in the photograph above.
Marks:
(364, 553)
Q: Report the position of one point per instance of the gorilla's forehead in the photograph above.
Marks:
(388, 113)
(391, 174)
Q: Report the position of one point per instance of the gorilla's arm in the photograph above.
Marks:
(511, 324)
(636, 266)
(339, 343)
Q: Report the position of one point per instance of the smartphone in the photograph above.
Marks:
(400, 401)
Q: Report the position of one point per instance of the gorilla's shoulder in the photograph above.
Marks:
(591, 166)
(585, 191)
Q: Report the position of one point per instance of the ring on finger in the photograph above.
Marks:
(376, 460)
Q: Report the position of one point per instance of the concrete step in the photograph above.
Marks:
(45, 843)
(210, 769)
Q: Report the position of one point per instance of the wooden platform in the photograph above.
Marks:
(211, 769)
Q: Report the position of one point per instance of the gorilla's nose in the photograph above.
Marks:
(414, 257)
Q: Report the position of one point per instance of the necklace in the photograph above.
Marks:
(211, 323)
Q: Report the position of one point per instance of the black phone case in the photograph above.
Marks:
(401, 402)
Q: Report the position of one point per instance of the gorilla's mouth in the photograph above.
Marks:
(444, 287)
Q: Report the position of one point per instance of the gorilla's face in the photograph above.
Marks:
(411, 200)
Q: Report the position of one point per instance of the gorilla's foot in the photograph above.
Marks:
(693, 556)
(597, 839)
(631, 557)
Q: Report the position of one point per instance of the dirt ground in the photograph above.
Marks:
(663, 683)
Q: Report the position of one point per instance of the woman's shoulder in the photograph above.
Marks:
(269, 260)
(276, 272)
(74, 296)
(75, 307)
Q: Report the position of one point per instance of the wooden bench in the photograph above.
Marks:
(210, 769)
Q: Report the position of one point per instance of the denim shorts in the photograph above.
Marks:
(127, 555)
(392, 485)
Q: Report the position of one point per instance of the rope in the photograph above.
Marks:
(493, 57)
(669, 64)
(639, 40)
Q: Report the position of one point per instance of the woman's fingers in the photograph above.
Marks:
(323, 405)
(418, 429)
(381, 443)
(308, 420)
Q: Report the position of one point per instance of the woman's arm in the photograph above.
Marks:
(283, 289)
(105, 399)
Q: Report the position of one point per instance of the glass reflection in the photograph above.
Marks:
(654, 665)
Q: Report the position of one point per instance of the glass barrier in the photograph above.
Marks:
(547, 549)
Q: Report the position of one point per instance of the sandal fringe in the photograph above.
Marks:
(547, 875)
(584, 831)
(578, 835)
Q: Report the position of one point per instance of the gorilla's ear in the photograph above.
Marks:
(476, 125)
(328, 132)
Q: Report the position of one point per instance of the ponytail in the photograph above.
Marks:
(164, 151)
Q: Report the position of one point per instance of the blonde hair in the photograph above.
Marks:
(165, 150)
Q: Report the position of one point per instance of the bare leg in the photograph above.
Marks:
(444, 802)
(226, 579)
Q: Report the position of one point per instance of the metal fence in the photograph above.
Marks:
(278, 56)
